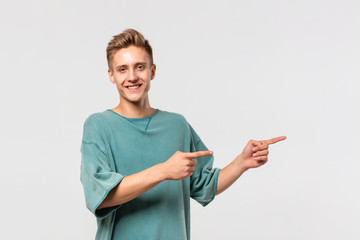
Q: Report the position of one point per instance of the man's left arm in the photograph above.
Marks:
(254, 155)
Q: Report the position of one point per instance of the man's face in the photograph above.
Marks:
(132, 73)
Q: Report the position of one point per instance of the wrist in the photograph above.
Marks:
(161, 172)
(241, 163)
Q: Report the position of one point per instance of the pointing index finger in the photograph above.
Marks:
(199, 154)
(275, 140)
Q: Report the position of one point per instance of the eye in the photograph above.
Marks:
(122, 69)
(141, 67)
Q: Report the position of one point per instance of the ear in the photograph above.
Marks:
(153, 71)
(111, 76)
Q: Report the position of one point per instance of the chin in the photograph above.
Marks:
(132, 100)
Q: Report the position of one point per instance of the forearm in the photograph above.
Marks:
(133, 185)
(229, 174)
(179, 166)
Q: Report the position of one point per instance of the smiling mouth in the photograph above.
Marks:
(134, 87)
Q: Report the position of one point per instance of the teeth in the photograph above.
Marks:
(134, 87)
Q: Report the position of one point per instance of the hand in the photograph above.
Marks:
(182, 165)
(255, 153)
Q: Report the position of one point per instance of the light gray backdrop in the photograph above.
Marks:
(237, 70)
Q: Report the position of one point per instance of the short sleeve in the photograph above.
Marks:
(97, 174)
(203, 182)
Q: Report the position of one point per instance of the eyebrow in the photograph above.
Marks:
(124, 65)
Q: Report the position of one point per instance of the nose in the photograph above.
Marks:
(132, 76)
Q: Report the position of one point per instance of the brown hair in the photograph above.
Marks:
(129, 37)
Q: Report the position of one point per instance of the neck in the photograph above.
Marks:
(134, 110)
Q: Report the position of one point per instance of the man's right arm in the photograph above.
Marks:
(179, 166)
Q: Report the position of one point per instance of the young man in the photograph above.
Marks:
(140, 165)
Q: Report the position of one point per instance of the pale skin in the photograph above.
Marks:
(131, 67)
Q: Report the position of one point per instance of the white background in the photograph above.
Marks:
(237, 70)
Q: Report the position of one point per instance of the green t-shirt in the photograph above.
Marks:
(114, 146)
